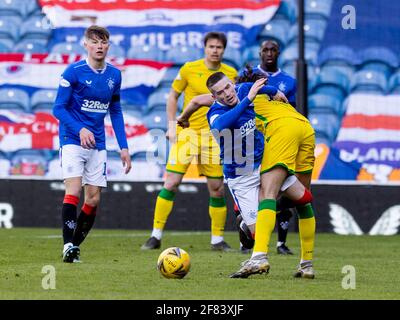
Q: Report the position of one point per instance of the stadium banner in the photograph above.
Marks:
(43, 71)
(367, 147)
(161, 23)
(348, 210)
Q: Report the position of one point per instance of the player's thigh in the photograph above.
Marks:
(183, 151)
(95, 173)
(73, 158)
(271, 182)
(305, 157)
(209, 159)
(281, 145)
(245, 192)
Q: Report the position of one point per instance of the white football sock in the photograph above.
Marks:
(157, 233)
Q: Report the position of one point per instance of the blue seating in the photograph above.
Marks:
(170, 74)
(368, 81)
(321, 138)
(181, 54)
(156, 120)
(35, 27)
(232, 57)
(344, 68)
(331, 83)
(324, 102)
(145, 53)
(116, 51)
(68, 48)
(158, 100)
(379, 59)
(314, 31)
(28, 162)
(132, 99)
(135, 113)
(291, 53)
(325, 124)
(394, 83)
(31, 46)
(31, 8)
(251, 55)
(276, 29)
(340, 53)
(43, 100)
(318, 8)
(5, 45)
(13, 8)
(287, 10)
(14, 98)
(9, 28)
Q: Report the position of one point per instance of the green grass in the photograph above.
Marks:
(114, 267)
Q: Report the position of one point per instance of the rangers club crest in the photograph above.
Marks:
(110, 83)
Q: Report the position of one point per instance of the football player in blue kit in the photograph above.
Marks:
(88, 90)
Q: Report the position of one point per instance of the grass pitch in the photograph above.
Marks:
(114, 267)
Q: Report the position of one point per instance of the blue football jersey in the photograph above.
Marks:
(282, 81)
(243, 146)
(83, 99)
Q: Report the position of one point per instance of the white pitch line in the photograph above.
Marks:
(118, 235)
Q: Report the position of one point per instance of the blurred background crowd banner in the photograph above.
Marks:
(353, 85)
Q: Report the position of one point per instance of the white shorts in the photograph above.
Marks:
(90, 164)
(245, 191)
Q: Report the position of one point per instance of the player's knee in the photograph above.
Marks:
(216, 190)
(305, 199)
(92, 200)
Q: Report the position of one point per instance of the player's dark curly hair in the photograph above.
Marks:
(247, 75)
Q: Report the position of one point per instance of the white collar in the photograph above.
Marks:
(269, 73)
(99, 71)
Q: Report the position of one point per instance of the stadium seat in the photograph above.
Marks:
(394, 83)
(292, 52)
(287, 10)
(251, 55)
(344, 68)
(321, 138)
(325, 102)
(146, 166)
(325, 124)
(5, 45)
(341, 53)
(156, 120)
(181, 54)
(31, 46)
(68, 48)
(380, 59)
(368, 81)
(31, 8)
(276, 29)
(314, 31)
(28, 162)
(318, 9)
(135, 113)
(157, 100)
(233, 57)
(145, 53)
(331, 83)
(36, 27)
(10, 8)
(116, 51)
(14, 98)
(9, 28)
(169, 77)
(43, 100)
(132, 100)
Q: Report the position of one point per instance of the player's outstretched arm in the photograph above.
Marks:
(204, 100)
